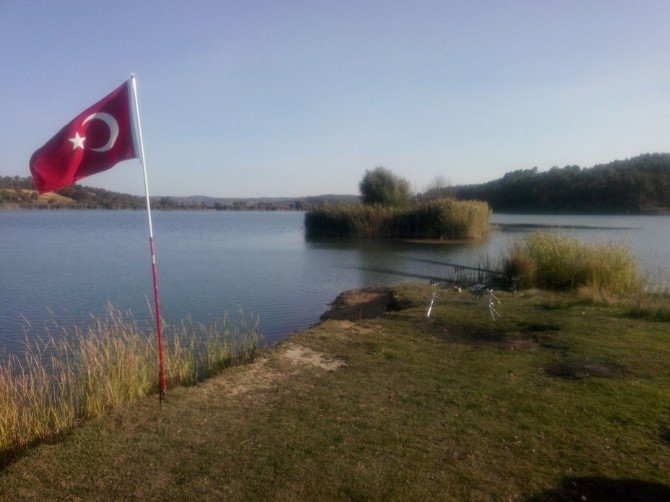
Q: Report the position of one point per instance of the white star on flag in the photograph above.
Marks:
(77, 141)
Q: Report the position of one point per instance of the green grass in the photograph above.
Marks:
(438, 219)
(80, 374)
(560, 395)
(657, 313)
(560, 262)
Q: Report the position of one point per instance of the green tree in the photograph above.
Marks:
(381, 186)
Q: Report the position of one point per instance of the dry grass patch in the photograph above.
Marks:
(80, 374)
(298, 354)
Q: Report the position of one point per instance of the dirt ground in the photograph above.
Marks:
(357, 304)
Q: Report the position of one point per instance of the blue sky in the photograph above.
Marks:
(294, 98)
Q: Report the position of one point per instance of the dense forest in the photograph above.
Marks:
(637, 185)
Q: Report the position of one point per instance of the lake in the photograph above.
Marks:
(64, 265)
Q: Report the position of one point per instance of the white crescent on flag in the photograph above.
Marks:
(113, 126)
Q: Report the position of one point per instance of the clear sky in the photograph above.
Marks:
(292, 98)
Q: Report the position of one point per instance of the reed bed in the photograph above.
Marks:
(560, 262)
(438, 219)
(80, 373)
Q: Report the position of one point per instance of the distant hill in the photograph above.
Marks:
(263, 202)
(18, 192)
(632, 186)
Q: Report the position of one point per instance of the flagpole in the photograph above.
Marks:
(152, 247)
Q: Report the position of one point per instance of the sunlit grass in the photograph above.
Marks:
(80, 373)
(560, 262)
(557, 395)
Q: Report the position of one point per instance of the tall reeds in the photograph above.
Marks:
(80, 373)
(559, 262)
(437, 219)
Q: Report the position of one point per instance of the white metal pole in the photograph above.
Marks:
(159, 327)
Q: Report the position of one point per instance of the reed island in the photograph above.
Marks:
(388, 211)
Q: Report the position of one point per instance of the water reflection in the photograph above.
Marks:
(386, 262)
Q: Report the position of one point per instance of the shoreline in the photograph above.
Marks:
(398, 406)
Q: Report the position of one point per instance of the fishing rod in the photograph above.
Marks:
(400, 273)
(454, 265)
(487, 278)
(477, 290)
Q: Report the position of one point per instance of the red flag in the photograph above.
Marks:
(97, 139)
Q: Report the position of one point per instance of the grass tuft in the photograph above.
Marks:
(79, 374)
(559, 262)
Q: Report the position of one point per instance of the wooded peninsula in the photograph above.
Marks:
(639, 185)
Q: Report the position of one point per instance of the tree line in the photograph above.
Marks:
(636, 185)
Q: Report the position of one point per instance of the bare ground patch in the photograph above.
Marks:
(256, 376)
(300, 355)
(356, 304)
(579, 369)
(261, 375)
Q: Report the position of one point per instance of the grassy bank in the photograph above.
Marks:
(560, 398)
(80, 374)
(439, 219)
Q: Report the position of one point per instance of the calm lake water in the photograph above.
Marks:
(64, 265)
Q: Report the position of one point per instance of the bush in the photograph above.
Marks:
(381, 186)
(562, 263)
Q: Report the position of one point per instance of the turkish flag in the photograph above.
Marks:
(97, 139)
